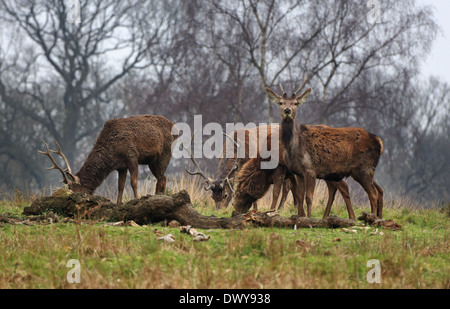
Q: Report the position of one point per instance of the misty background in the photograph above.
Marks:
(62, 80)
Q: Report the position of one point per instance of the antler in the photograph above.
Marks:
(235, 166)
(282, 89)
(56, 165)
(198, 171)
(302, 86)
(283, 93)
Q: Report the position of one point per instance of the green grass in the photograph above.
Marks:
(132, 257)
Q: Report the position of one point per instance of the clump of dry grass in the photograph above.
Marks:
(194, 185)
(175, 183)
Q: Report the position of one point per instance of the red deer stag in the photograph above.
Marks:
(122, 145)
(328, 153)
(221, 187)
(252, 183)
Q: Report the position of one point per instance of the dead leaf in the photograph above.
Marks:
(193, 232)
(302, 244)
(391, 225)
(167, 238)
(349, 231)
(376, 233)
(158, 232)
(272, 213)
(201, 237)
(185, 229)
(131, 223)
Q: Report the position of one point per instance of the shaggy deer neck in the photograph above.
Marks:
(94, 171)
(287, 131)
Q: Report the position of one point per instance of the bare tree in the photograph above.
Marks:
(214, 58)
(411, 116)
(63, 84)
(260, 25)
(428, 164)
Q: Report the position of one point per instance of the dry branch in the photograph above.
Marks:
(373, 220)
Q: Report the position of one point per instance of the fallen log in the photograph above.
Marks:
(178, 207)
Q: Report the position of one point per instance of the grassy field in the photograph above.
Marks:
(418, 256)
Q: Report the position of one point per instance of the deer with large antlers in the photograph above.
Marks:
(122, 145)
(328, 153)
(222, 186)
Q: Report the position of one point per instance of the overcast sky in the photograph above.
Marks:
(438, 62)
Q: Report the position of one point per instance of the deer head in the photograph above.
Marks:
(71, 180)
(288, 105)
(222, 189)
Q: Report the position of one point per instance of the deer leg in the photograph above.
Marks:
(275, 194)
(160, 177)
(373, 198)
(310, 184)
(298, 190)
(380, 202)
(278, 178)
(294, 197)
(286, 188)
(342, 186)
(331, 194)
(366, 181)
(121, 183)
(161, 185)
(158, 168)
(133, 168)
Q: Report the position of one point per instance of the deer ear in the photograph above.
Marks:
(304, 96)
(275, 98)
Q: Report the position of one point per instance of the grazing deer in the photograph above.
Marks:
(122, 145)
(222, 187)
(252, 183)
(328, 153)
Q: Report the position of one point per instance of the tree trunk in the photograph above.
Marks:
(157, 208)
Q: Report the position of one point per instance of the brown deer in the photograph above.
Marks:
(122, 145)
(222, 187)
(328, 153)
(252, 183)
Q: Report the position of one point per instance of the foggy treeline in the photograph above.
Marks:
(60, 79)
